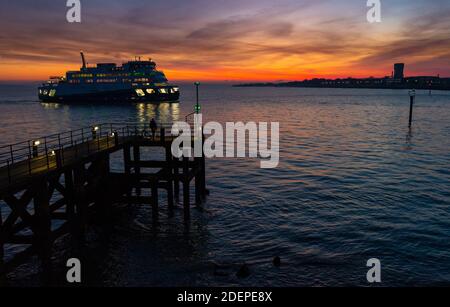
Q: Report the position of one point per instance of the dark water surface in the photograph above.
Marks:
(353, 183)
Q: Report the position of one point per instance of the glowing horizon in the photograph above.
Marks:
(228, 40)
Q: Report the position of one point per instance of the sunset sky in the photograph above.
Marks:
(218, 40)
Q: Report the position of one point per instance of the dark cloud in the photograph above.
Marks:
(423, 41)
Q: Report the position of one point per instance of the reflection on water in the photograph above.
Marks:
(33, 119)
(164, 112)
(353, 183)
(49, 105)
(409, 139)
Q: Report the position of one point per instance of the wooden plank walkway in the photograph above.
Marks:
(19, 173)
(25, 170)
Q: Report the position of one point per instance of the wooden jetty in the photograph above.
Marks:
(63, 179)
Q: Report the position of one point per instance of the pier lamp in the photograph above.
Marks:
(197, 105)
(35, 148)
(94, 132)
(115, 135)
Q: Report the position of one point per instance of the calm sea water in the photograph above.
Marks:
(353, 183)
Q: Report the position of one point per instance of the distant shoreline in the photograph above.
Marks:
(418, 83)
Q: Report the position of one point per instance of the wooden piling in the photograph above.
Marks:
(198, 182)
(411, 105)
(103, 196)
(169, 174)
(81, 204)
(70, 202)
(176, 179)
(186, 196)
(127, 166)
(137, 167)
(203, 169)
(42, 228)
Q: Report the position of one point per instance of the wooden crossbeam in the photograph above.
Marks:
(18, 207)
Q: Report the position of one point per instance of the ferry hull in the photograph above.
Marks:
(119, 96)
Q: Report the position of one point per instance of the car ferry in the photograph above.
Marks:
(133, 81)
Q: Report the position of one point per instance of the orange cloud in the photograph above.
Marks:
(255, 40)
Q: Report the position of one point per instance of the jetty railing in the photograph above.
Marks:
(52, 151)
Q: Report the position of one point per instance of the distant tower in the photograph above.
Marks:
(398, 70)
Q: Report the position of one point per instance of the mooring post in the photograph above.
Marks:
(169, 174)
(186, 195)
(127, 167)
(137, 167)
(412, 96)
(42, 228)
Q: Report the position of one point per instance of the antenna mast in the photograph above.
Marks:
(83, 60)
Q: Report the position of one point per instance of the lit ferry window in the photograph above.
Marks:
(140, 92)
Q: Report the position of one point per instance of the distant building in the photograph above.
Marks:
(398, 70)
(396, 81)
